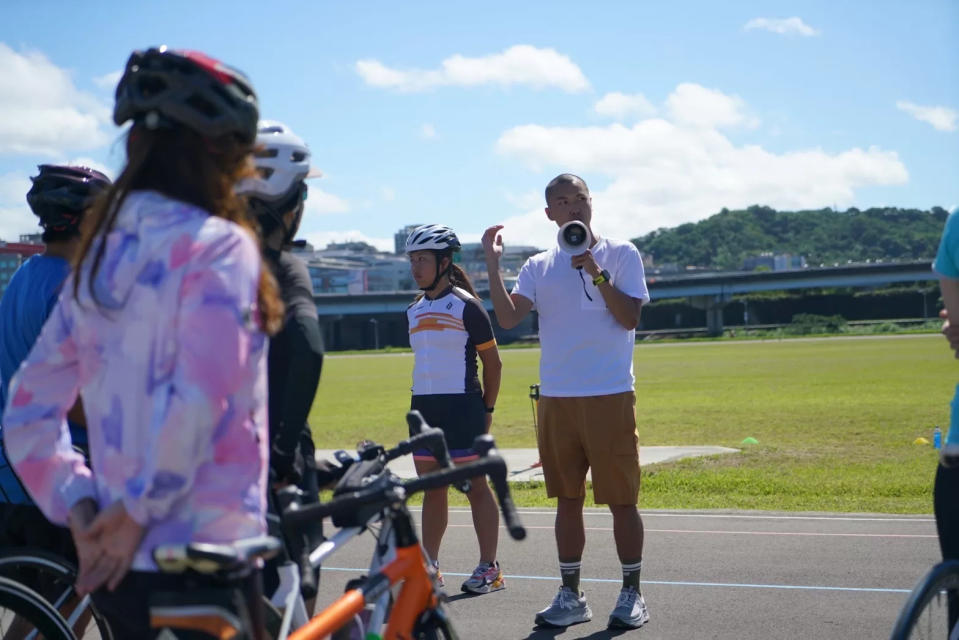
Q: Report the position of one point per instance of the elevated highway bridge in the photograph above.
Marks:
(378, 318)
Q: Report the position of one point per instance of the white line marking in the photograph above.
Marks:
(678, 583)
(749, 533)
(653, 514)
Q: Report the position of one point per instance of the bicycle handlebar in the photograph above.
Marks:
(492, 464)
(438, 448)
(422, 436)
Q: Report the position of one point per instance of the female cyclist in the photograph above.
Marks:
(162, 332)
(448, 328)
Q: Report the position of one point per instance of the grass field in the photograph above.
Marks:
(835, 418)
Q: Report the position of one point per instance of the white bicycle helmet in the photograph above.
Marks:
(282, 161)
(434, 237)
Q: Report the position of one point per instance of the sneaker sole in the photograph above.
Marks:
(486, 588)
(617, 623)
(543, 622)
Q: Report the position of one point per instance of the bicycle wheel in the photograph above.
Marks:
(24, 613)
(933, 607)
(435, 624)
(357, 628)
(53, 577)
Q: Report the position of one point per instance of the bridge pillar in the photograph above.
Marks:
(713, 305)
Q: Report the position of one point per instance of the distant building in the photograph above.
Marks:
(399, 238)
(778, 262)
(333, 276)
(472, 260)
(12, 255)
(357, 267)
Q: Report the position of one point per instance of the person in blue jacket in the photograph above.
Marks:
(59, 197)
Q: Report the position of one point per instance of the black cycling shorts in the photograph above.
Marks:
(461, 416)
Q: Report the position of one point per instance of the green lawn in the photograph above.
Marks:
(835, 418)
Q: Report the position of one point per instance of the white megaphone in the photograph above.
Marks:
(574, 237)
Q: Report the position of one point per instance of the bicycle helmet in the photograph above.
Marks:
(435, 237)
(60, 194)
(282, 161)
(161, 86)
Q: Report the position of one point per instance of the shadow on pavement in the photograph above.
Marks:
(462, 596)
(546, 633)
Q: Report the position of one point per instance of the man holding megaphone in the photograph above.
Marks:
(588, 292)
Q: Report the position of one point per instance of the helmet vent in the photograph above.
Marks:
(202, 105)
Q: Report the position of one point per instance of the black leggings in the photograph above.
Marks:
(946, 504)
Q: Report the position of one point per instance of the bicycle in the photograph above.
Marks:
(355, 470)
(53, 576)
(24, 613)
(228, 601)
(417, 611)
(932, 609)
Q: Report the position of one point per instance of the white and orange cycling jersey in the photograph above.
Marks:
(445, 334)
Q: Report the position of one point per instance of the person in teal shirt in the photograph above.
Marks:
(946, 488)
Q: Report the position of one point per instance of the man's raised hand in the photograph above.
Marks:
(493, 243)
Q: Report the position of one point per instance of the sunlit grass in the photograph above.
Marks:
(835, 418)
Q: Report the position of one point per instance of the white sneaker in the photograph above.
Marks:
(630, 611)
(567, 608)
(486, 578)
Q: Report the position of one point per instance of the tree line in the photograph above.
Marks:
(824, 236)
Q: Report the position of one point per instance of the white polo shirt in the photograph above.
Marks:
(585, 351)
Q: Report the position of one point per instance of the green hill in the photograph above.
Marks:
(823, 236)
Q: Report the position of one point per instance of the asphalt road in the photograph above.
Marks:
(737, 575)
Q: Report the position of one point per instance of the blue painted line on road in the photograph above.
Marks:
(675, 583)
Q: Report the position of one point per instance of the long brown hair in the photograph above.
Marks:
(180, 164)
(458, 278)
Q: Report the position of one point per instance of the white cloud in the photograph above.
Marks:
(41, 110)
(784, 26)
(84, 161)
(320, 202)
(696, 105)
(623, 106)
(942, 118)
(15, 216)
(428, 131)
(519, 65)
(388, 194)
(108, 80)
(661, 173)
(320, 239)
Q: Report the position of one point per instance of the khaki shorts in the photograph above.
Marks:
(594, 432)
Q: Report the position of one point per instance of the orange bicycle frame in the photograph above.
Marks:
(416, 595)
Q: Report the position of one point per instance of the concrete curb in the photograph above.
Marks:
(523, 464)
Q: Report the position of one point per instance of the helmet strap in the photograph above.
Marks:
(439, 274)
(290, 231)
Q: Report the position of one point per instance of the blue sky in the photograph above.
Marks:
(460, 113)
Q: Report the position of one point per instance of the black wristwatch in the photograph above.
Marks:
(490, 409)
(601, 278)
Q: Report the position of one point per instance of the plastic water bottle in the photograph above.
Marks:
(937, 437)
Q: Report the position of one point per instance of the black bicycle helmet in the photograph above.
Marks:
(161, 85)
(60, 194)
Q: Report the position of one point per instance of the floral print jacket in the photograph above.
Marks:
(171, 367)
